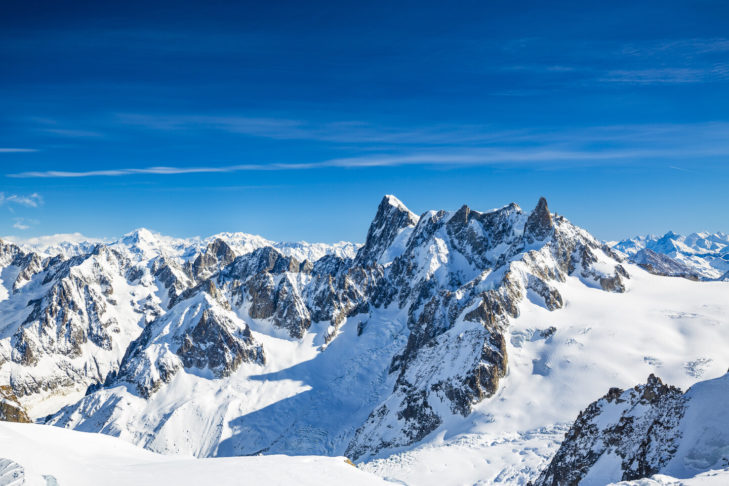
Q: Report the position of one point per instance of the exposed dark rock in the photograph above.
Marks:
(539, 225)
(391, 218)
(217, 255)
(10, 409)
(660, 264)
(638, 425)
(212, 344)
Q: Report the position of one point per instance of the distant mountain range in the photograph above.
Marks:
(703, 256)
(463, 332)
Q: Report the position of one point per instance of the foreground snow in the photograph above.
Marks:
(44, 455)
(710, 478)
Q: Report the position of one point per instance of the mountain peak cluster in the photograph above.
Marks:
(235, 345)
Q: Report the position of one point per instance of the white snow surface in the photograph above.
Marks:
(37, 455)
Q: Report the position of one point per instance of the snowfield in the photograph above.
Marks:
(37, 455)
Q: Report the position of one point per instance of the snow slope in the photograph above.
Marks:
(718, 477)
(675, 328)
(43, 455)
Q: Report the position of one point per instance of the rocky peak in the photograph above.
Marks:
(539, 225)
(639, 426)
(391, 218)
(461, 216)
(196, 333)
(217, 255)
(660, 264)
(215, 343)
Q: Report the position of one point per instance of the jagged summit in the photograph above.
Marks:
(392, 219)
(394, 201)
(539, 225)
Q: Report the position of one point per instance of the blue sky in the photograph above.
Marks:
(291, 120)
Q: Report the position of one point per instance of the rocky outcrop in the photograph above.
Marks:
(10, 409)
(659, 264)
(539, 225)
(214, 344)
(217, 255)
(638, 427)
(198, 333)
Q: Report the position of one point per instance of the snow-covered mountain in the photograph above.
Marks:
(646, 430)
(460, 338)
(696, 256)
(37, 455)
(69, 315)
(420, 289)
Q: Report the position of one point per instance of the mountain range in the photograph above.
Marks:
(450, 337)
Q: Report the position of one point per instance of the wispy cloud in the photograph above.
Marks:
(71, 133)
(477, 157)
(668, 75)
(32, 200)
(348, 131)
(557, 147)
(596, 63)
(23, 223)
(6, 150)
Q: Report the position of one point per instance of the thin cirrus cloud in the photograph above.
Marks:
(10, 150)
(32, 200)
(587, 145)
(332, 132)
(71, 133)
(443, 159)
(23, 224)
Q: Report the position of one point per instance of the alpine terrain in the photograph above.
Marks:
(452, 347)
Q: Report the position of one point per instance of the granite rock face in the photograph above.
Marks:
(461, 277)
(10, 409)
(639, 427)
(539, 225)
(198, 333)
(391, 219)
